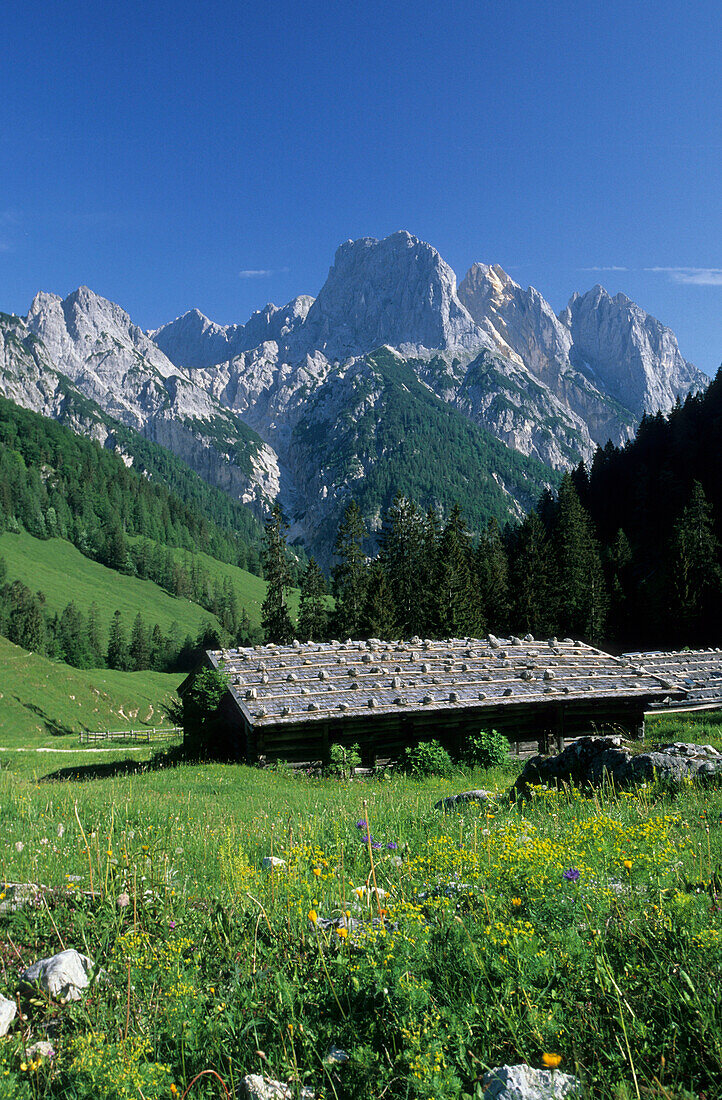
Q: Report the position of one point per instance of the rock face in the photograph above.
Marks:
(194, 341)
(629, 354)
(605, 358)
(63, 975)
(87, 347)
(397, 291)
(297, 404)
(521, 1082)
(596, 760)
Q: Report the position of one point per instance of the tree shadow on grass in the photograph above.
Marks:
(54, 727)
(80, 773)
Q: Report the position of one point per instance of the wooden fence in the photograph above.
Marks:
(142, 736)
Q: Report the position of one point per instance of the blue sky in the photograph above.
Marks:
(172, 155)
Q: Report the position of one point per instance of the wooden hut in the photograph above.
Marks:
(293, 702)
(696, 672)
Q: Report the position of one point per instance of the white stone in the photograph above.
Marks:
(8, 1011)
(256, 1087)
(272, 861)
(62, 976)
(521, 1082)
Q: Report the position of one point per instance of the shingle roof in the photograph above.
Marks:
(279, 685)
(698, 672)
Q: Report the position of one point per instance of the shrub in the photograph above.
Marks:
(488, 749)
(428, 758)
(342, 760)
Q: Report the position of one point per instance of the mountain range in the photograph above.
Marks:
(391, 378)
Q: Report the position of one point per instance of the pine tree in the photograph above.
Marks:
(275, 620)
(459, 606)
(581, 596)
(73, 639)
(530, 569)
(139, 645)
(401, 551)
(493, 572)
(94, 644)
(695, 571)
(379, 612)
(118, 655)
(349, 575)
(430, 577)
(621, 587)
(312, 613)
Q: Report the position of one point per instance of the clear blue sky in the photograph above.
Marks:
(181, 154)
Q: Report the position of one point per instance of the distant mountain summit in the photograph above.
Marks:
(391, 378)
(628, 353)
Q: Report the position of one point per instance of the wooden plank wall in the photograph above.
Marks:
(543, 727)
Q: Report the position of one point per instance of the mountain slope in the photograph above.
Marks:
(93, 343)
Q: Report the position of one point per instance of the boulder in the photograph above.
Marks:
(63, 975)
(14, 895)
(8, 1011)
(524, 1083)
(594, 760)
(255, 1087)
(456, 800)
(269, 862)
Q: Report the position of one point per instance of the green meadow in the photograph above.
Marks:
(46, 704)
(579, 927)
(56, 568)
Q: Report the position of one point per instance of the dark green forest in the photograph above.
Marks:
(626, 554)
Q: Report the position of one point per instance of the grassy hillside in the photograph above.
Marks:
(42, 699)
(251, 589)
(55, 567)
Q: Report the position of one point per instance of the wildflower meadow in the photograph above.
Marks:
(345, 936)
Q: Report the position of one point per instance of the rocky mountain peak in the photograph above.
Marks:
(628, 352)
(395, 291)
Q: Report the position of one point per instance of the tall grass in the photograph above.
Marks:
(583, 926)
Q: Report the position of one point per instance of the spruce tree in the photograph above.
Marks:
(695, 571)
(94, 643)
(401, 550)
(312, 613)
(73, 641)
(275, 620)
(459, 606)
(139, 645)
(350, 575)
(379, 612)
(581, 598)
(530, 574)
(118, 655)
(493, 574)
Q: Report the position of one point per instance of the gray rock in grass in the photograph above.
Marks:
(455, 800)
(255, 1087)
(63, 975)
(269, 862)
(14, 895)
(524, 1083)
(8, 1012)
(41, 1049)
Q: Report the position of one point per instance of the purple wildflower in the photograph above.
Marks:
(365, 838)
(392, 844)
(377, 845)
(171, 924)
(361, 825)
(571, 874)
